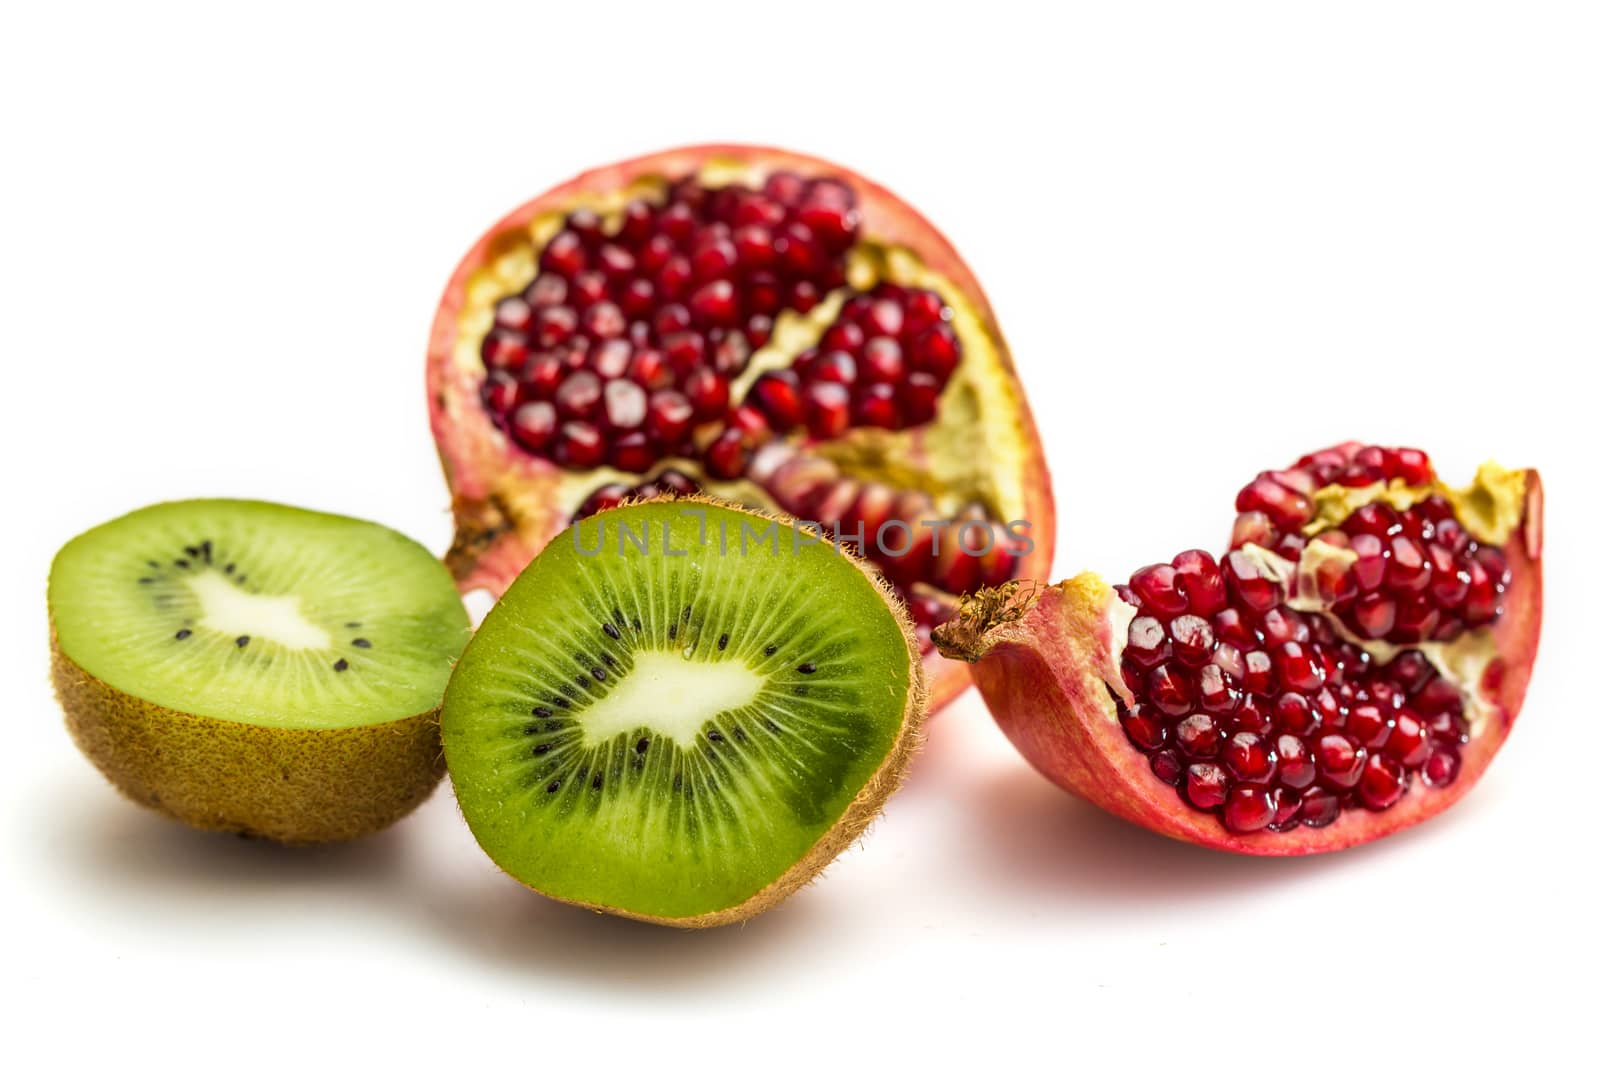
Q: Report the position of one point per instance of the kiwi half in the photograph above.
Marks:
(681, 711)
(256, 668)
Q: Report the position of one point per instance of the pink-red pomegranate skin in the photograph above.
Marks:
(1298, 747)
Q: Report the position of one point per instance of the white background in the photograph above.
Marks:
(1217, 236)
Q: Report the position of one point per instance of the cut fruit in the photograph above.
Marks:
(1348, 668)
(256, 668)
(681, 711)
(711, 314)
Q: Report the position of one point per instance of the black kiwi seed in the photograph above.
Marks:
(598, 780)
(686, 609)
(191, 551)
(539, 750)
(531, 728)
(341, 665)
(672, 632)
(553, 786)
(242, 640)
(738, 733)
(228, 569)
(153, 563)
(181, 563)
(582, 680)
(350, 625)
(612, 632)
(807, 668)
(771, 650)
(146, 580)
(361, 642)
(541, 713)
(642, 746)
(599, 673)
(714, 735)
(722, 642)
(561, 702)
(181, 634)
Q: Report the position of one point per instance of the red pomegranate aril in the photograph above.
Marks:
(533, 425)
(1339, 761)
(633, 452)
(1318, 807)
(542, 374)
(554, 326)
(798, 251)
(513, 313)
(1280, 504)
(784, 187)
(610, 359)
(1249, 808)
(677, 221)
(1382, 783)
(669, 415)
(1249, 758)
(753, 247)
(578, 397)
(1147, 641)
(504, 350)
(1441, 767)
(637, 298)
(500, 392)
(730, 353)
(1169, 689)
(604, 320)
(684, 350)
(674, 277)
(875, 405)
(778, 394)
(1217, 694)
(1249, 583)
(707, 392)
(564, 254)
(1258, 673)
(827, 406)
(843, 336)
(1144, 727)
(1157, 588)
(1373, 615)
(1205, 786)
(804, 295)
(625, 404)
(923, 309)
(1299, 668)
(1198, 736)
(714, 258)
(715, 304)
(835, 365)
(882, 361)
(1295, 765)
(588, 288)
(579, 445)
(758, 330)
(919, 398)
(1409, 742)
(649, 368)
(726, 456)
(547, 290)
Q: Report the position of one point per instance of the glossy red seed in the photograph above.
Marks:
(669, 415)
(1251, 585)
(1339, 761)
(777, 392)
(726, 456)
(1296, 766)
(578, 396)
(1318, 807)
(1249, 808)
(1147, 641)
(579, 445)
(1170, 690)
(1383, 782)
(827, 409)
(533, 425)
(1192, 640)
(1441, 768)
(633, 452)
(876, 405)
(1248, 757)
(624, 404)
(1205, 785)
(1200, 581)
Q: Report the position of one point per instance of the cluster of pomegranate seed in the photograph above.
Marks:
(1262, 713)
(882, 363)
(668, 482)
(1408, 576)
(629, 336)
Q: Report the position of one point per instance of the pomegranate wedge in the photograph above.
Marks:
(760, 325)
(1348, 668)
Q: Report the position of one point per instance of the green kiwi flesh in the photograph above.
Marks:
(681, 711)
(256, 668)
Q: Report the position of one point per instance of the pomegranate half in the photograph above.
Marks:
(1348, 668)
(760, 325)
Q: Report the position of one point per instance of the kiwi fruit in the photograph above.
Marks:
(681, 711)
(256, 668)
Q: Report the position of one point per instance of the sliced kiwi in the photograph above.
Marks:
(256, 668)
(681, 711)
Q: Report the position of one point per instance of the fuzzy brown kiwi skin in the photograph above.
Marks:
(296, 787)
(868, 802)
